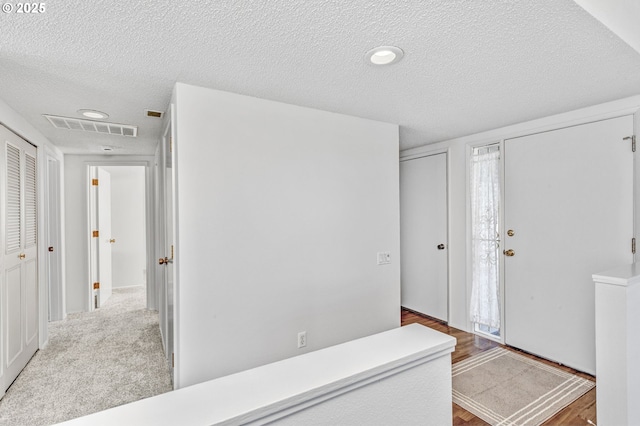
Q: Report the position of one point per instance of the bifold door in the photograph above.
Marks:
(19, 292)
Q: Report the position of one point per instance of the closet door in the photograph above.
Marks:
(19, 269)
(568, 214)
(423, 235)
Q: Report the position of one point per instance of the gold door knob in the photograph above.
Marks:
(511, 232)
(112, 241)
(22, 256)
(509, 252)
(161, 261)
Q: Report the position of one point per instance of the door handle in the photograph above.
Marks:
(22, 256)
(440, 246)
(50, 248)
(163, 261)
(509, 252)
(112, 241)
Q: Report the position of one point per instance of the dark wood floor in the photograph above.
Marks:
(581, 410)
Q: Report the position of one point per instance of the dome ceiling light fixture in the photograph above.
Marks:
(92, 113)
(384, 55)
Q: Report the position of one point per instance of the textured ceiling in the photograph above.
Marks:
(469, 66)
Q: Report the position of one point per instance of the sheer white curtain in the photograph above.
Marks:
(485, 214)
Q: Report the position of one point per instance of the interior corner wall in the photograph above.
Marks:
(76, 228)
(281, 213)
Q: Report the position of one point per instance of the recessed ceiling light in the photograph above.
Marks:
(92, 113)
(384, 55)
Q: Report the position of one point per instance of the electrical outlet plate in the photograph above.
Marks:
(384, 257)
(302, 339)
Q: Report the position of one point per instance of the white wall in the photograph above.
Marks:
(128, 254)
(458, 152)
(281, 212)
(77, 247)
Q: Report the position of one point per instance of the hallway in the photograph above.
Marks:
(93, 361)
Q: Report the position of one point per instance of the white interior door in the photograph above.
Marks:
(19, 289)
(160, 243)
(105, 236)
(423, 235)
(569, 203)
(54, 262)
(169, 244)
(165, 243)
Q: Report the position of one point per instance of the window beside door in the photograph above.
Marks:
(485, 196)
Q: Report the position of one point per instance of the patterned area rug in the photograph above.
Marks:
(505, 388)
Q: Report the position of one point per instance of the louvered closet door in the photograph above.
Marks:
(20, 284)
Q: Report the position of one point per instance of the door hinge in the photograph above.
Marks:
(172, 252)
(95, 234)
(633, 245)
(96, 286)
(633, 142)
(94, 182)
(173, 359)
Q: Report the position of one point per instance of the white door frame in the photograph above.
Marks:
(149, 232)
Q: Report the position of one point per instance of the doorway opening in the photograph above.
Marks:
(486, 196)
(118, 229)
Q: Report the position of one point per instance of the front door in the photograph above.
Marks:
(568, 214)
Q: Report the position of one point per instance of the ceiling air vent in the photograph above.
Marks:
(152, 113)
(92, 126)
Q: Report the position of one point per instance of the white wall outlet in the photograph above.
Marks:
(384, 257)
(302, 339)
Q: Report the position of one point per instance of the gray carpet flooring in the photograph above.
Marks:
(93, 361)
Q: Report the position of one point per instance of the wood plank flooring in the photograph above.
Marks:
(577, 413)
